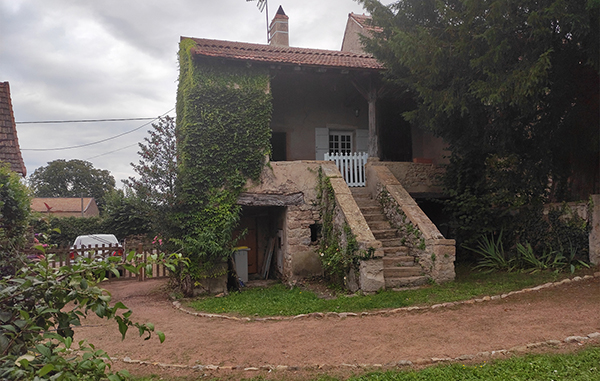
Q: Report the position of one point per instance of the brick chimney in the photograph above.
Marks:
(278, 30)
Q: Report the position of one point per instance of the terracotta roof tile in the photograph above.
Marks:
(60, 204)
(283, 55)
(9, 142)
(364, 21)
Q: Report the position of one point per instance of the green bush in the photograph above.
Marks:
(14, 212)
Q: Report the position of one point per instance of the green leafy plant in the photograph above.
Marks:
(223, 131)
(492, 254)
(41, 305)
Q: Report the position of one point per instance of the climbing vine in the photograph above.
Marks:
(223, 135)
(339, 254)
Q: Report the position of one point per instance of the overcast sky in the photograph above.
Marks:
(99, 59)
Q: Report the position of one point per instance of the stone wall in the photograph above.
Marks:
(434, 253)
(595, 233)
(417, 177)
(370, 276)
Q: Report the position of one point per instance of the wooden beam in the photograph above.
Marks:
(262, 199)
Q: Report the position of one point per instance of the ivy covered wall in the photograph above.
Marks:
(223, 136)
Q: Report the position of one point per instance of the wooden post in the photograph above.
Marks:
(142, 273)
(372, 99)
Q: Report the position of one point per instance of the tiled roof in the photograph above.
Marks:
(364, 21)
(9, 143)
(283, 55)
(61, 204)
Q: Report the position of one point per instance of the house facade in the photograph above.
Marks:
(328, 102)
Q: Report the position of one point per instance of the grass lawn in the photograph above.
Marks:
(280, 300)
(581, 366)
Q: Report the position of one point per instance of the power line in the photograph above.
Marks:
(82, 121)
(107, 153)
(96, 142)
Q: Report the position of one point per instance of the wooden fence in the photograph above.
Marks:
(351, 166)
(66, 257)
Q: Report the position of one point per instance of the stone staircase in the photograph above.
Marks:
(399, 266)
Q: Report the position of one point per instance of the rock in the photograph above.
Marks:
(251, 369)
(575, 339)
(211, 367)
(465, 357)
(404, 363)
(577, 279)
(553, 342)
(534, 345)
(281, 367)
(422, 361)
(299, 316)
(595, 335)
(518, 349)
(440, 359)
(486, 298)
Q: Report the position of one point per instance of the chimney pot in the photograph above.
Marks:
(278, 30)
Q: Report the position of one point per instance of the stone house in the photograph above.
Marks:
(9, 143)
(83, 207)
(327, 102)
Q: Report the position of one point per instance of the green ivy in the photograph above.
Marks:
(223, 135)
(336, 259)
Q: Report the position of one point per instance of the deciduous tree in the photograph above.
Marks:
(72, 178)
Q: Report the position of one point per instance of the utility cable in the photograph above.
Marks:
(96, 142)
(82, 121)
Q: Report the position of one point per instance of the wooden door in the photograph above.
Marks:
(249, 240)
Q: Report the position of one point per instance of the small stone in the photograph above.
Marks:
(496, 297)
(413, 308)
(299, 316)
(449, 304)
(465, 357)
(422, 361)
(527, 289)
(440, 359)
(553, 342)
(316, 315)
(534, 345)
(176, 304)
(281, 367)
(343, 315)
(404, 363)
(577, 279)
(266, 367)
(486, 298)
(537, 288)
(377, 365)
(332, 314)
(126, 359)
(504, 296)
(567, 280)
(470, 301)
(478, 300)
(349, 365)
(436, 306)
(211, 367)
(597, 274)
(595, 335)
(198, 367)
(483, 354)
(251, 369)
(587, 277)
(575, 339)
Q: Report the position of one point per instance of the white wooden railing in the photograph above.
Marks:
(351, 165)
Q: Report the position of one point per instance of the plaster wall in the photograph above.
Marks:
(303, 101)
(416, 177)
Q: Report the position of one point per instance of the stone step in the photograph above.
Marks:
(395, 251)
(371, 210)
(391, 242)
(379, 225)
(374, 217)
(359, 190)
(384, 234)
(405, 281)
(398, 261)
(402, 272)
(366, 201)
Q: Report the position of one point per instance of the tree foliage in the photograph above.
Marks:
(511, 87)
(72, 178)
(157, 167)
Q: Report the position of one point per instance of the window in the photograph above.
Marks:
(340, 142)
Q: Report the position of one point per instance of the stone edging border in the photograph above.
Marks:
(399, 364)
(595, 336)
(342, 315)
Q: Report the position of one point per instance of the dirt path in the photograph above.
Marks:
(550, 314)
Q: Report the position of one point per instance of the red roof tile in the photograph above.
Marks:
(283, 55)
(61, 204)
(9, 143)
(364, 21)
